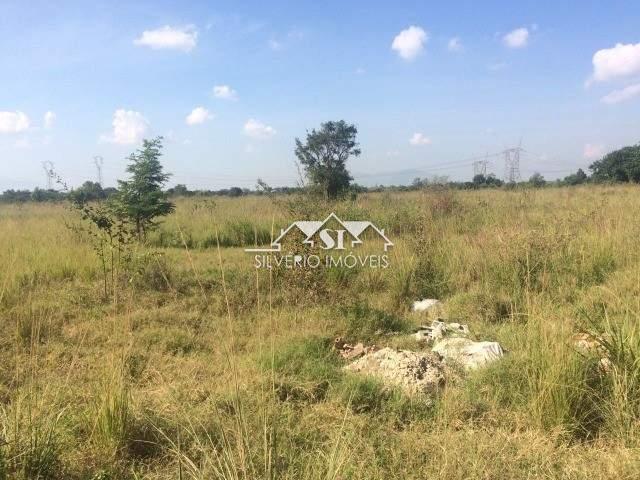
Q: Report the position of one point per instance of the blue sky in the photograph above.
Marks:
(430, 85)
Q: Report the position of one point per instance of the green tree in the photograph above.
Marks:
(89, 191)
(537, 180)
(324, 156)
(141, 199)
(622, 165)
(577, 178)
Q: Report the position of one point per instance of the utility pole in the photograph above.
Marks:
(99, 162)
(512, 164)
(48, 170)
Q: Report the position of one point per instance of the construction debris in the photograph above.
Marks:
(439, 330)
(426, 304)
(350, 352)
(422, 371)
(471, 355)
(414, 372)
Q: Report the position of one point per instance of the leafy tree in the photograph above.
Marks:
(180, 190)
(577, 178)
(89, 191)
(486, 180)
(619, 166)
(324, 156)
(235, 192)
(537, 180)
(140, 199)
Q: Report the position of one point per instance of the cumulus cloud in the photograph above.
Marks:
(617, 62)
(409, 43)
(622, 95)
(129, 127)
(455, 45)
(13, 122)
(225, 92)
(256, 129)
(517, 38)
(198, 115)
(593, 151)
(49, 119)
(171, 38)
(419, 139)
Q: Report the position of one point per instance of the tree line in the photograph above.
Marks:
(322, 157)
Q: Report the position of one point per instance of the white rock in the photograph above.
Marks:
(414, 372)
(471, 355)
(439, 330)
(426, 304)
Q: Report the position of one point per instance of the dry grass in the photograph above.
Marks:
(196, 374)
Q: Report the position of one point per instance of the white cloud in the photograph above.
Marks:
(622, 95)
(409, 43)
(517, 38)
(275, 45)
(129, 127)
(455, 45)
(13, 122)
(619, 61)
(256, 129)
(198, 115)
(171, 38)
(419, 139)
(593, 151)
(225, 92)
(49, 119)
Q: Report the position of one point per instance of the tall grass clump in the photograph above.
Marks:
(111, 414)
(618, 362)
(30, 443)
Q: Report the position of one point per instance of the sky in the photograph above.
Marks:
(431, 86)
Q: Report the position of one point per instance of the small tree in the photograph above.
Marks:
(577, 178)
(537, 180)
(89, 191)
(141, 199)
(324, 156)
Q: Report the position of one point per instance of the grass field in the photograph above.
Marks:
(197, 366)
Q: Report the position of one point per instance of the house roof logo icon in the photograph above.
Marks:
(311, 227)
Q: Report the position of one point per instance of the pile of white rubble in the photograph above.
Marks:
(424, 371)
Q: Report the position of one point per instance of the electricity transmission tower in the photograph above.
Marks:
(48, 170)
(99, 162)
(480, 167)
(512, 164)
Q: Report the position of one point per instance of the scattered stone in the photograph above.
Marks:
(471, 355)
(414, 372)
(593, 345)
(426, 304)
(439, 330)
(587, 343)
(350, 352)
